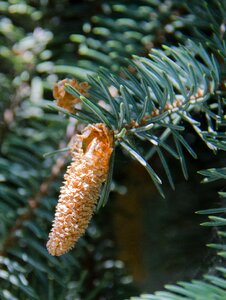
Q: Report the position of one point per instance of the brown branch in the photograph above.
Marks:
(34, 201)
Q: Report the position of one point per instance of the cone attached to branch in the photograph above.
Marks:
(81, 189)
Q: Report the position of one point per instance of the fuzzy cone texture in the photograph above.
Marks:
(66, 100)
(81, 189)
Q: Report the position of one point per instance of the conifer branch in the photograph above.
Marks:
(148, 102)
(34, 201)
(165, 90)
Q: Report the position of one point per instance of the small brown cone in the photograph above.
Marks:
(81, 189)
(66, 100)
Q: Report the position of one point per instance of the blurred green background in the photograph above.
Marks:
(139, 241)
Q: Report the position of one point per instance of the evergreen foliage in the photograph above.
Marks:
(162, 94)
(30, 182)
(154, 97)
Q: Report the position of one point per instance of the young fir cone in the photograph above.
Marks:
(66, 100)
(82, 183)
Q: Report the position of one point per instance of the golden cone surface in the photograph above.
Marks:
(81, 189)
